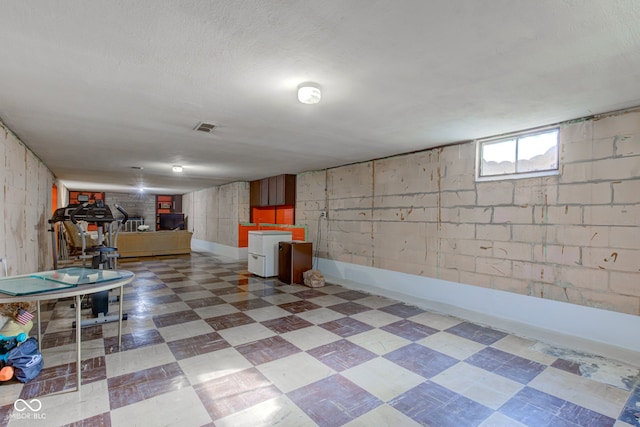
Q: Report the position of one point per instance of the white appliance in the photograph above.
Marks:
(263, 251)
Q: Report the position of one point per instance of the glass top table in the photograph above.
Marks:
(54, 280)
(64, 283)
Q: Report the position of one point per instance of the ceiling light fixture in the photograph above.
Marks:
(177, 168)
(309, 93)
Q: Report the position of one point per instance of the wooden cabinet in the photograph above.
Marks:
(254, 193)
(285, 190)
(273, 191)
(294, 258)
(137, 244)
(264, 192)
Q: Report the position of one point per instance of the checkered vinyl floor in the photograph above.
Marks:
(207, 343)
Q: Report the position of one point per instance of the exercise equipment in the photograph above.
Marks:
(103, 256)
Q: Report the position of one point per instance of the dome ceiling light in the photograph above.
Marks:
(309, 93)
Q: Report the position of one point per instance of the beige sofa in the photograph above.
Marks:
(151, 243)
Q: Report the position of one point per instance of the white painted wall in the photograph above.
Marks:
(594, 330)
(25, 207)
(532, 256)
(573, 237)
(215, 213)
(198, 245)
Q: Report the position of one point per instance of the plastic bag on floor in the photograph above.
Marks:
(313, 278)
(26, 360)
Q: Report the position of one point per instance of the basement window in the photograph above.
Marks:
(522, 155)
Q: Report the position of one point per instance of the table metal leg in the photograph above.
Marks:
(78, 341)
(39, 325)
(120, 314)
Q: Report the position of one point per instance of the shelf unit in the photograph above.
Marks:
(167, 204)
(93, 196)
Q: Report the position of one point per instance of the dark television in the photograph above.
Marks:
(171, 221)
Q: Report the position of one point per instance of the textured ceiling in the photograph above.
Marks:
(95, 88)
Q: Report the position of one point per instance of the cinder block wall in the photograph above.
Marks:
(25, 207)
(574, 237)
(214, 213)
(135, 204)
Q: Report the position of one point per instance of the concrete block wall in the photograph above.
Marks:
(216, 212)
(25, 207)
(574, 237)
(136, 205)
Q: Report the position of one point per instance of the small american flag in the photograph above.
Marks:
(24, 316)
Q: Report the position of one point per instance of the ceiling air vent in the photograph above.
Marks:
(204, 127)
